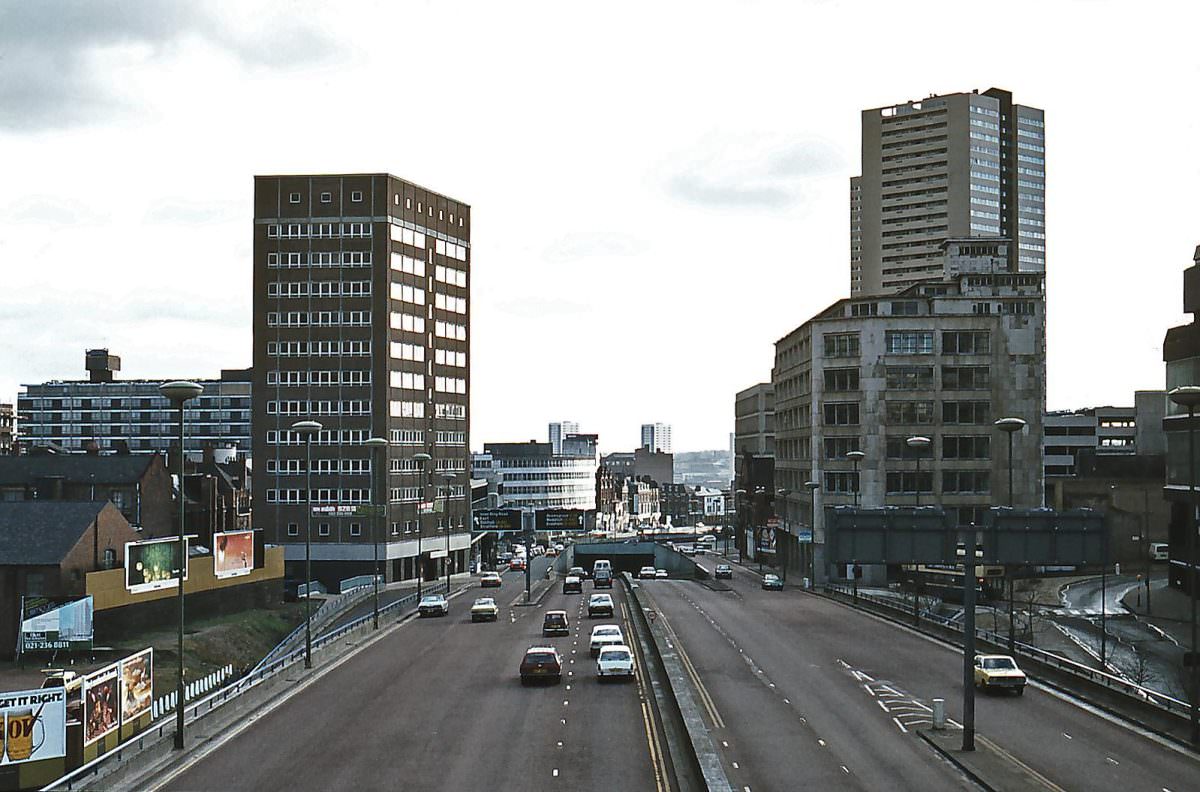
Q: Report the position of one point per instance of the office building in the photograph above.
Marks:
(1104, 430)
(1181, 353)
(656, 437)
(558, 430)
(753, 423)
(954, 166)
(116, 415)
(361, 323)
(531, 476)
(8, 430)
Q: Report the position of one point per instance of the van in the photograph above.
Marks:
(602, 563)
(1160, 551)
(602, 578)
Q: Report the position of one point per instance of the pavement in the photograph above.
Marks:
(437, 704)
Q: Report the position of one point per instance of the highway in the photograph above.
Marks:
(438, 705)
(802, 692)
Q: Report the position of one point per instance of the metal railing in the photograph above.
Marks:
(1115, 683)
(163, 726)
(329, 609)
(359, 581)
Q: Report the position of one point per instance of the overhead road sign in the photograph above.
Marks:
(1044, 537)
(562, 520)
(499, 520)
(890, 535)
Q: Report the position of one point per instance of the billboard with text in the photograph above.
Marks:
(101, 703)
(49, 624)
(233, 554)
(35, 725)
(154, 564)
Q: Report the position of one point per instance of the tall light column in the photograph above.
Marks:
(378, 445)
(449, 478)
(1189, 396)
(783, 493)
(424, 459)
(1010, 426)
(812, 487)
(856, 457)
(307, 429)
(918, 444)
(179, 393)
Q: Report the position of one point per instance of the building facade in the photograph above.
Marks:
(557, 430)
(656, 437)
(953, 166)
(362, 323)
(754, 423)
(1105, 430)
(131, 415)
(8, 430)
(532, 476)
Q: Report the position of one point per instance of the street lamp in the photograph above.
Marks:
(424, 459)
(449, 478)
(179, 393)
(918, 444)
(1189, 396)
(856, 457)
(812, 487)
(307, 429)
(782, 493)
(378, 446)
(739, 496)
(1010, 426)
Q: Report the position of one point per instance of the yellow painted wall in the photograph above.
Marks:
(108, 586)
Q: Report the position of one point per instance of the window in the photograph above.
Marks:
(326, 197)
(966, 342)
(971, 481)
(966, 446)
(899, 482)
(838, 447)
(905, 308)
(323, 529)
(843, 379)
(864, 309)
(356, 196)
(898, 448)
(909, 342)
(841, 482)
(970, 515)
(294, 198)
(910, 377)
(355, 529)
(293, 529)
(966, 378)
(841, 345)
(909, 412)
(841, 414)
(966, 412)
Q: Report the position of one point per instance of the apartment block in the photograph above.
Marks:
(656, 437)
(362, 323)
(8, 430)
(531, 476)
(1103, 430)
(557, 430)
(951, 166)
(754, 424)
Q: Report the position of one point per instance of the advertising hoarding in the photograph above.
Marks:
(35, 725)
(49, 624)
(233, 553)
(137, 684)
(101, 703)
(153, 564)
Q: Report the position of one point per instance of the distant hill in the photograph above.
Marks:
(707, 468)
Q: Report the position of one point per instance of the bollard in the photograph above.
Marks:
(939, 713)
(807, 584)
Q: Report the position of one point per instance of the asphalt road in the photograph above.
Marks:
(438, 705)
(808, 693)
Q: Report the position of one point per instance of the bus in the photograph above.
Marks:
(945, 581)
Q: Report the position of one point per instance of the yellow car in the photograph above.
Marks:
(999, 672)
(484, 609)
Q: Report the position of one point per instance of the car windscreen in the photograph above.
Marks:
(539, 657)
(999, 663)
(608, 631)
(620, 654)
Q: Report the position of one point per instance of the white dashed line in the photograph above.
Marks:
(1069, 737)
(821, 743)
(1114, 761)
(735, 766)
(556, 772)
(724, 744)
(845, 769)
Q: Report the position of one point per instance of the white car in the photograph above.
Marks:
(600, 605)
(661, 574)
(646, 573)
(615, 660)
(433, 605)
(484, 609)
(605, 635)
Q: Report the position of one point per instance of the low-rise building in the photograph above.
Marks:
(8, 430)
(1105, 430)
(1181, 353)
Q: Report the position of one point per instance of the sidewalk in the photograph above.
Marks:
(1170, 609)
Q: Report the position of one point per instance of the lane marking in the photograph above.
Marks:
(900, 725)
(556, 772)
(649, 724)
(735, 766)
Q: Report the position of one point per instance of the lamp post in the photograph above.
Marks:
(307, 429)
(449, 478)
(1010, 426)
(739, 497)
(783, 557)
(378, 446)
(812, 487)
(424, 459)
(179, 393)
(856, 457)
(918, 444)
(1189, 396)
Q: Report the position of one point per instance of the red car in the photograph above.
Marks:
(541, 662)
(517, 564)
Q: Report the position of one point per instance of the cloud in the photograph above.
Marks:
(531, 307)
(52, 210)
(185, 212)
(54, 53)
(589, 244)
(768, 172)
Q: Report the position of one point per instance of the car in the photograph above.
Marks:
(572, 585)
(600, 605)
(661, 574)
(484, 609)
(517, 564)
(555, 623)
(578, 572)
(687, 549)
(772, 583)
(603, 635)
(433, 605)
(490, 580)
(999, 672)
(646, 573)
(551, 553)
(615, 661)
(723, 572)
(541, 662)
(602, 578)
(708, 540)
(504, 558)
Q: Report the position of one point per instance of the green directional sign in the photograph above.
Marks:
(368, 511)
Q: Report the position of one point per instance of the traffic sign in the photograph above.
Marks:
(804, 537)
(561, 520)
(501, 520)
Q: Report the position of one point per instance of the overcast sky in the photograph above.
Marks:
(658, 190)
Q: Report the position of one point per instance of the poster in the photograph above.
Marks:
(153, 564)
(52, 624)
(137, 684)
(35, 725)
(101, 703)
(233, 553)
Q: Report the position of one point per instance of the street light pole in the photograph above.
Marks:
(1189, 396)
(812, 487)
(783, 557)
(378, 446)
(424, 459)
(179, 393)
(739, 498)
(918, 444)
(1010, 426)
(449, 478)
(307, 429)
(856, 457)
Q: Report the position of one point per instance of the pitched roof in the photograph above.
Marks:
(43, 532)
(75, 468)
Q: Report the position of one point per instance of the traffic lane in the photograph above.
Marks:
(787, 727)
(437, 704)
(1069, 745)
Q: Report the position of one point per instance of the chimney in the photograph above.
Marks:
(101, 365)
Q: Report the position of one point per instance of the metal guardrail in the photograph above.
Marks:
(328, 608)
(164, 725)
(357, 582)
(310, 588)
(1115, 683)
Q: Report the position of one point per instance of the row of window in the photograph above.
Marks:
(455, 412)
(319, 289)
(318, 318)
(401, 351)
(407, 409)
(319, 407)
(450, 249)
(342, 377)
(447, 303)
(345, 467)
(408, 236)
(325, 437)
(407, 380)
(318, 348)
(408, 322)
(408, 264)
(317, 230)
(450, 385)
(348, 495)
(446, 357)
(455, 277)
(450, 330)
(343, 258)
(408, 294)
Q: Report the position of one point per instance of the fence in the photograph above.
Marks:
(166, 704)
(328, 610)
(357, 582)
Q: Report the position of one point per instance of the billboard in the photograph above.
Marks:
(153, 564)
(101, 703)
(233, 553)
(49, 624)
(35, 725)
(137, 684)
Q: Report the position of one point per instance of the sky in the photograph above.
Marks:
(659, 190)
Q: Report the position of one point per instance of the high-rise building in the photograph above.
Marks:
(656, 437)
(560, 429)
(954, 166)
(361, 322)
(8, 430)
(753, 423)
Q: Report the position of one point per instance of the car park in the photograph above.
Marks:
(490, 580)
(772, 582)
(572, 585)
(661, 574)
(646, 573)
(999, 672)
(555, 623)
(602, 578)
(603, 635)
(541, 662)
(615, 661)
(484, 609)
(723, 572)
(433, 605)
(600, 605)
